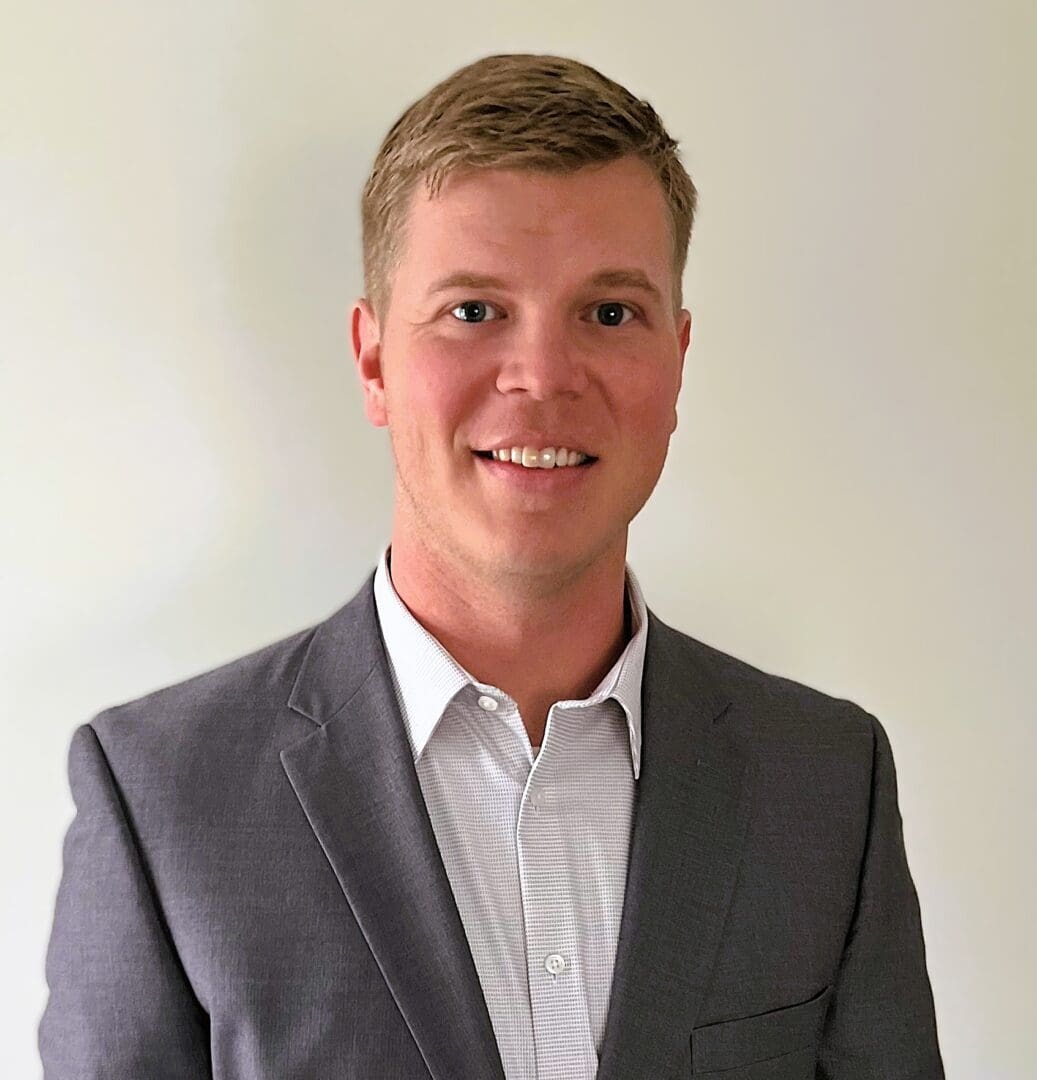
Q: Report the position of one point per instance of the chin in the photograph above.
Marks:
(527, 559)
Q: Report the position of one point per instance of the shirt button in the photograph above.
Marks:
(488, 703)
(555, 963)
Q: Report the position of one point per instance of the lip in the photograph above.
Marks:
(559, 478)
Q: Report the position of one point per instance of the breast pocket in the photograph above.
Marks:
(776, 1045)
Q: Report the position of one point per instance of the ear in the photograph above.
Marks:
(684, 334)
(367, 352)
(684, 341)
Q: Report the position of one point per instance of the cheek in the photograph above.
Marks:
(648, 405)
(432, 396)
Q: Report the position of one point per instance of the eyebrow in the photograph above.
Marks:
(463, 280)
(620, 278)
(626, 279)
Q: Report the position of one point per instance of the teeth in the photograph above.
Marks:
(530, 457)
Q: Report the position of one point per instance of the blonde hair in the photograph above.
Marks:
(514, 111)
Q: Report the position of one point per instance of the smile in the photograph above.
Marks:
(529, 457)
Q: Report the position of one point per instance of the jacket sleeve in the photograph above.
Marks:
(880, 1023)
(119, 1003)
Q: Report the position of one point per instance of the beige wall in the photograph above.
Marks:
(850, 498)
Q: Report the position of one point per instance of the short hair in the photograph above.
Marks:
(514, 111)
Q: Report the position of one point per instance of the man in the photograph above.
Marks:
(492, 818)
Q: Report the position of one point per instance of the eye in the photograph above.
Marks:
(473, 311)
(611, 313)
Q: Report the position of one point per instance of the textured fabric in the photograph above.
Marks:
(536, 852)
(252, 888)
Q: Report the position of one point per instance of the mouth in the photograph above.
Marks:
(533, 458)
(540, 478)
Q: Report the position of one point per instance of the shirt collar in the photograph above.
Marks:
(427, 677)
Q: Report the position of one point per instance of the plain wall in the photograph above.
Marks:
(850, 495)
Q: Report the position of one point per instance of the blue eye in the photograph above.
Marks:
(473, 311)
(611, 314)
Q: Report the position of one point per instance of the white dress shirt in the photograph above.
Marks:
(535, 844)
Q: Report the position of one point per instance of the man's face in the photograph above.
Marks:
(531, 310)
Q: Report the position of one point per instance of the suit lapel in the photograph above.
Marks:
(689, 829)
(354, 776)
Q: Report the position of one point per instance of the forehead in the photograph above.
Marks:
(512, 219)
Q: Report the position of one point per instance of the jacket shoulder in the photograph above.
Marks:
(771, 704)
(255, 678)
(235, 717)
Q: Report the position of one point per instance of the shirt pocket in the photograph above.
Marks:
(791, 1033)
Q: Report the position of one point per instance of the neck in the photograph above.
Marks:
(537, 644)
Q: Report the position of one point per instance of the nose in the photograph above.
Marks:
(542, 361)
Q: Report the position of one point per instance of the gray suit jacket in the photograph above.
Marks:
(252, 889)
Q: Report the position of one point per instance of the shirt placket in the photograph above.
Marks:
(558, 999)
